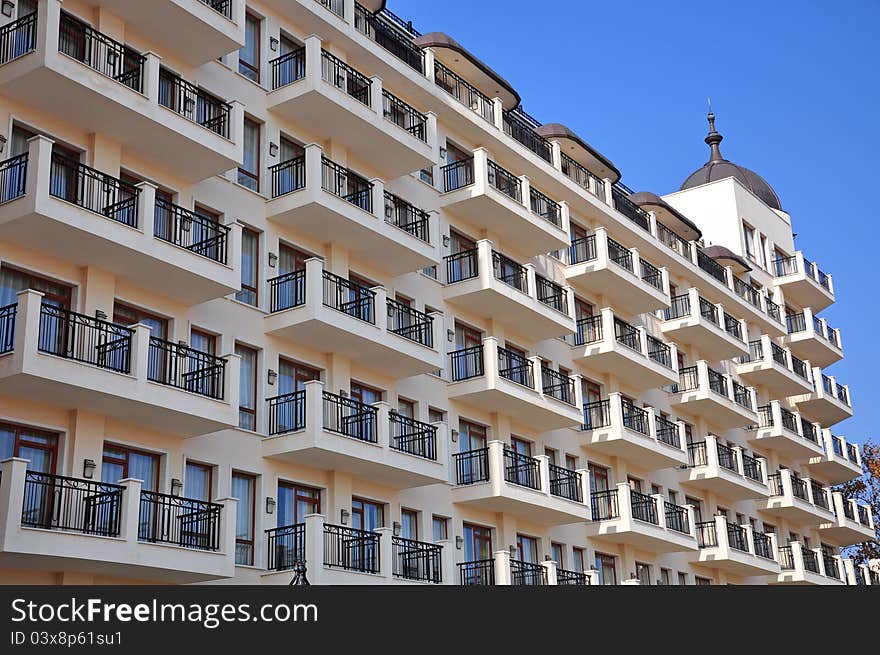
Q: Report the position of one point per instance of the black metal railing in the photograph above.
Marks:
(679, 306)
(510, 272)
(521, 131)
(18, 38)
(820, 499)
(799, 367)
(795, 323)
(288, 68)
(285, 547)
(619, 254)
(505, 181)
(747, 292)
(604, 505)
(415, 560)
(819, 275)
(837, 445)
(466, 363)
(99, 52)
(551, 294)
(189, 230)
(756, 352)
(811, 560)
(667, 431)
(84, 339)
(673, 241)
(697, 454)
(848, 510)
(628, 208)
(579, 174)
(335, 6)
(527, 574)
(288, 176)
(627, 334)
(763, 548)
(577, 578)
(349, 298)
(786, 558)
(733, 327)
(179, 366)
(774, 481)
(413, 437)
(852, 452)
(13, 177)
(589, 330)
(708, 311)
(676, 517)
(462, 266)
(471, 466)
(565, 483)
(180, 521)
(772, 310)
(597, 414)
(404, 116)
(651, 274)
(832, 568)
(557, 385)
(707, 535)
(93, 190)
(842, 394)
(808, 430)
(688, 379)
(717, 383)
(350, 417)
(479, 572)
(827, 385)
(765, 416)
(193, 103)
(516, 368)
(864, 517)
(382, 29)
(582, 250)
(54, 502)
(644, 507)
(712, 267)
(634, 418)
(741, 395)
(7, 328)
(783, 266)
(542, 206)
(737, 538)
(346, 184)
(799, 488)
(287, 412)
(222, 7)
(287, 291)
(410, 323)
(351, 549)
(522, 469)
(752, 468)
(789, 420)
(659, 352)
(464, 92)
(345, 78)
(407, 217)
(458, 174)
(818, 328)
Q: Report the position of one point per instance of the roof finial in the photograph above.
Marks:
(713, 139)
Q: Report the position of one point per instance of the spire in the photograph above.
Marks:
(713, 139)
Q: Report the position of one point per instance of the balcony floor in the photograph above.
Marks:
(713, 343)
(788, 444)
(631, 368)
(720, 412)
(642, 535)
(779, 381)
(826, 410)
(630, 294)
(736, 562)
(632, 446)
(530, 505)
(724, 483)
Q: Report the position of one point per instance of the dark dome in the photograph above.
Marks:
(718, 168)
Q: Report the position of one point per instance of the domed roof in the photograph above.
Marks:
(718, 168)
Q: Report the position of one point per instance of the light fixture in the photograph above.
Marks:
(343, 516)
(391, 311)
(273, 44)
(512, 550)
(396, 527)
(8, 7)
(176, 487)
(459, 542)
(100, 314)
(443, 152)
(547, 558)
(454, 436)
(270, 505)
(450, 335)
(89, 468)
(273, 260)
(2, 143)
(273, 376)
(273, 149)
(445, 240)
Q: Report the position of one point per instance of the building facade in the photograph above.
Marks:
(289, 282)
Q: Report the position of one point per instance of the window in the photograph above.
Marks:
(571, 462)
(203, 342)
(477, 543)
(243, 488)
(607, 568)
(526, 549)
(197, 481)
(701, 581)
(598, 478)
(295, 502)
(293, 376)
(440, 527)
(471, 436)
(749, 235)
(557, 552)
(698, 507)
(682, 578)
(409, 524)
(643, 573)
(762, 252)
(436, 415)
(406, 408)
(249, 171)
(250, 259)
(121, 462)
(12, 281)
(367, 514)
(249, 55)
(578, 559)
(364, 394)
(37, 446)
(247, 395)
(665, 577)
(550, 454)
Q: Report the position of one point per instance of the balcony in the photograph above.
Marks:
(492, 285)
(196, 31)
(58, 523)
(721, 400)
(803, 282)
(498, 479)
(828, 403)
(602, 266)
(330, 203)
(801, 565)
(331, 100)
(617, 428)
(492, 199)
(86, 217)
(607, 344)
(727, 472)
(774, 367)
(499, 380)
(73, 361)
(840, 461)
(624, 516)
(328, 313)
(736, 549)
(111, 89)
(693, 320)
(813, 339)
(852, 524)
(785, 432)
(316, 428)
(799, 500)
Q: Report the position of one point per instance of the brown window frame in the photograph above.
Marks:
(249, 16)
(252, 541)
(124, 462)
(256, 388)
(18, 441)
(246, 287)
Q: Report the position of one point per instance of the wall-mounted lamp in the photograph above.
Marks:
(273, 260)
(450, 335)
(459, 542)
(273, 44)
(101, 315)
(272, 378)
(176, 487)
(8, 8)
(2, 143)
(273, 149)
(89, 467)
(443, 152)
(512, 550)
(344, 514)
(445, 240)
(396, 528)
(454, 436)
(547, 558)
(391, 311)
(270, 505)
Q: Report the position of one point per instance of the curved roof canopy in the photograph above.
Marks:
(726, 256)
(374, 6)
(668, 215)
(579, 150)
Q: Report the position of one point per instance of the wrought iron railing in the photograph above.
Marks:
(521, 131)
(410, 323)
(471, 466)
(193, 103)
(543, 206)
(582, 250)
(349, 297)
(697, 454)
(763, 547)
(287, 291)
(415, 560)
(180, 521)
(285, 547)
(351, 418)
(190, 230)
(13, 177)
(634, 418)
(673, 241)
(752, 468)
(413, 437)
(84, 339)
(667, 431)
(516, 368)
(458, 174)
(578, 578)
(679, 307)
(55, 502)
(628, 208)
(288, 68)
(733, 327)
(557, 385)
(620, 254)
(627, 334)
(345, 78)
(644, 507)
(383, 29)
(786, 558)
(604, 505)
(717, 383)
(510, 272)
(551, 294)
(466, 363)
(18, 38)
(737, 538)
(99, 52)
(287, 412)
(741, 396)
(93, 190)
(522, 469)
(479, 572)
(712, 267)
(565, 483)
(676, 517)
(659, 352)
(597, 414)
(527, 574)
(466, 93)
(404, 116)
(589, 330)
(505, 181)
(407, 217)
(288, 176)
(346, 184)
(179, 366)
(351, 549)
(707, 535)
(7, 327)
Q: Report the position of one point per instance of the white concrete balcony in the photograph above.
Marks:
(608, 344)
(721, 400)
(801, 565)
(196, 31)
(317, 428)
(852, 524)
(841, 461)
(331, 99)
(330, 203)
(770, 365)
(498, 380)
(859, 574)
(55, 523)
(693, 320)
(799, 500)
(85, 217)
(492, 285)
(617, 428)
(811, 338)
(803, 282)
(724, 471)
(491, 198)
(828, 403)
(112, 90)
(78, 362)
(498, 479)
(736, 549)
(602, 266)
(327, 313)
(651, 523)
(785, 432)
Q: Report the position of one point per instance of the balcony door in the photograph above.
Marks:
(526, 549)
(477, 543)
(467, 364)
(12, 281)
(38, 447)
(119, 463)
(292, 376)
(459, 266)
(606, 565)
(295, 502)
(161, 363)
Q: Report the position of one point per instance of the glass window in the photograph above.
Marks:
(36, 446)
(440, 527)
(247, 398)
(249, 55)
(249, 171)
(682, 578)
(250, 260)
(607, 568)
(643, 573)
(293, 376)
(701, 581)
(557, 552)
(12, 281)
(197, 481)
(366, 514)
(243, 489)
(665, 577)
(409, 524)
(578, 559)
(477, 543)
(120, 462)
(203, 342)
(295, 502)
(526, 549)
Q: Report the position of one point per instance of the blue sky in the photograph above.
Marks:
(793, 85)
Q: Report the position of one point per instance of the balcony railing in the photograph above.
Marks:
(644, 507)
(350, 418)
(415, 560)
(351, 549)
(288, 176)
(557, 385)
(287, 291)
(479, 572)
(522, 470)
(346, 184)
(717, 383)
(527, 574)
(667, 431)
(404, 116)
(185, 522)
(852, 453)
(733, 327)
(789, 421)
(551, 294)
(13, 177)
(222, 7)
(774, 481)
(93, 190)
(285, 546)
(634, 418)
(604, 505)
(864, 517)
(697, 454)
(7, 327)
(349, 298)
(54, 502)
(651, 274)
(466, 363)
(832, 569)
(620, 254)
(577, 578)
(579, 174)
(746, 292)
(763, 547)
(811, 560)
(287, 412)
(679, 307)
(752, 468)
(516, 368)
(464, 92)
(458, 174)
(676, 517)
(542, 206)
(796, 323)
(842, 394)
(736, 537)
(673, 241)
(179, 366)
(627, 334)
(786, 558)
(589, 330)
(115, 60)
(18, 38)
(382, 29)
(410, 323)
(800, 368)
(505, 181)
(726, 457)
(335, 6)
(521, 131)
(707, 535)
(820, 499)
(84, 339)
(848, 511)
(345, 78)
(597, 414)
(407, 217)
(808, 430)
(288, 68)
(413, 437)
(741, 396)
(471, 466)
(193, 103)
(565, 483)
(799, 488)
(190, 230)
(712, 267)
(628, 208)
(659, 352)
(510, 272)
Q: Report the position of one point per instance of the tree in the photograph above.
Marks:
(866, 490)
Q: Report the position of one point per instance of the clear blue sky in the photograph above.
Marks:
(794, 86)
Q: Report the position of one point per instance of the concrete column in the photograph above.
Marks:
(314, 547)
(378, 197)
(313, 47)
(11, 495)
(525, 190)
(140, 351)
(27, 324)
(39, 167)
(429, 66)
(376, 100)
(386, 552)
(502, 567)
(550, 568)
(348, 11)
(152, 67)
(498, 113)
(130, 514)
(447, 562)
(146, 212)
(383, 427)
(556, 155)
(608, 195)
